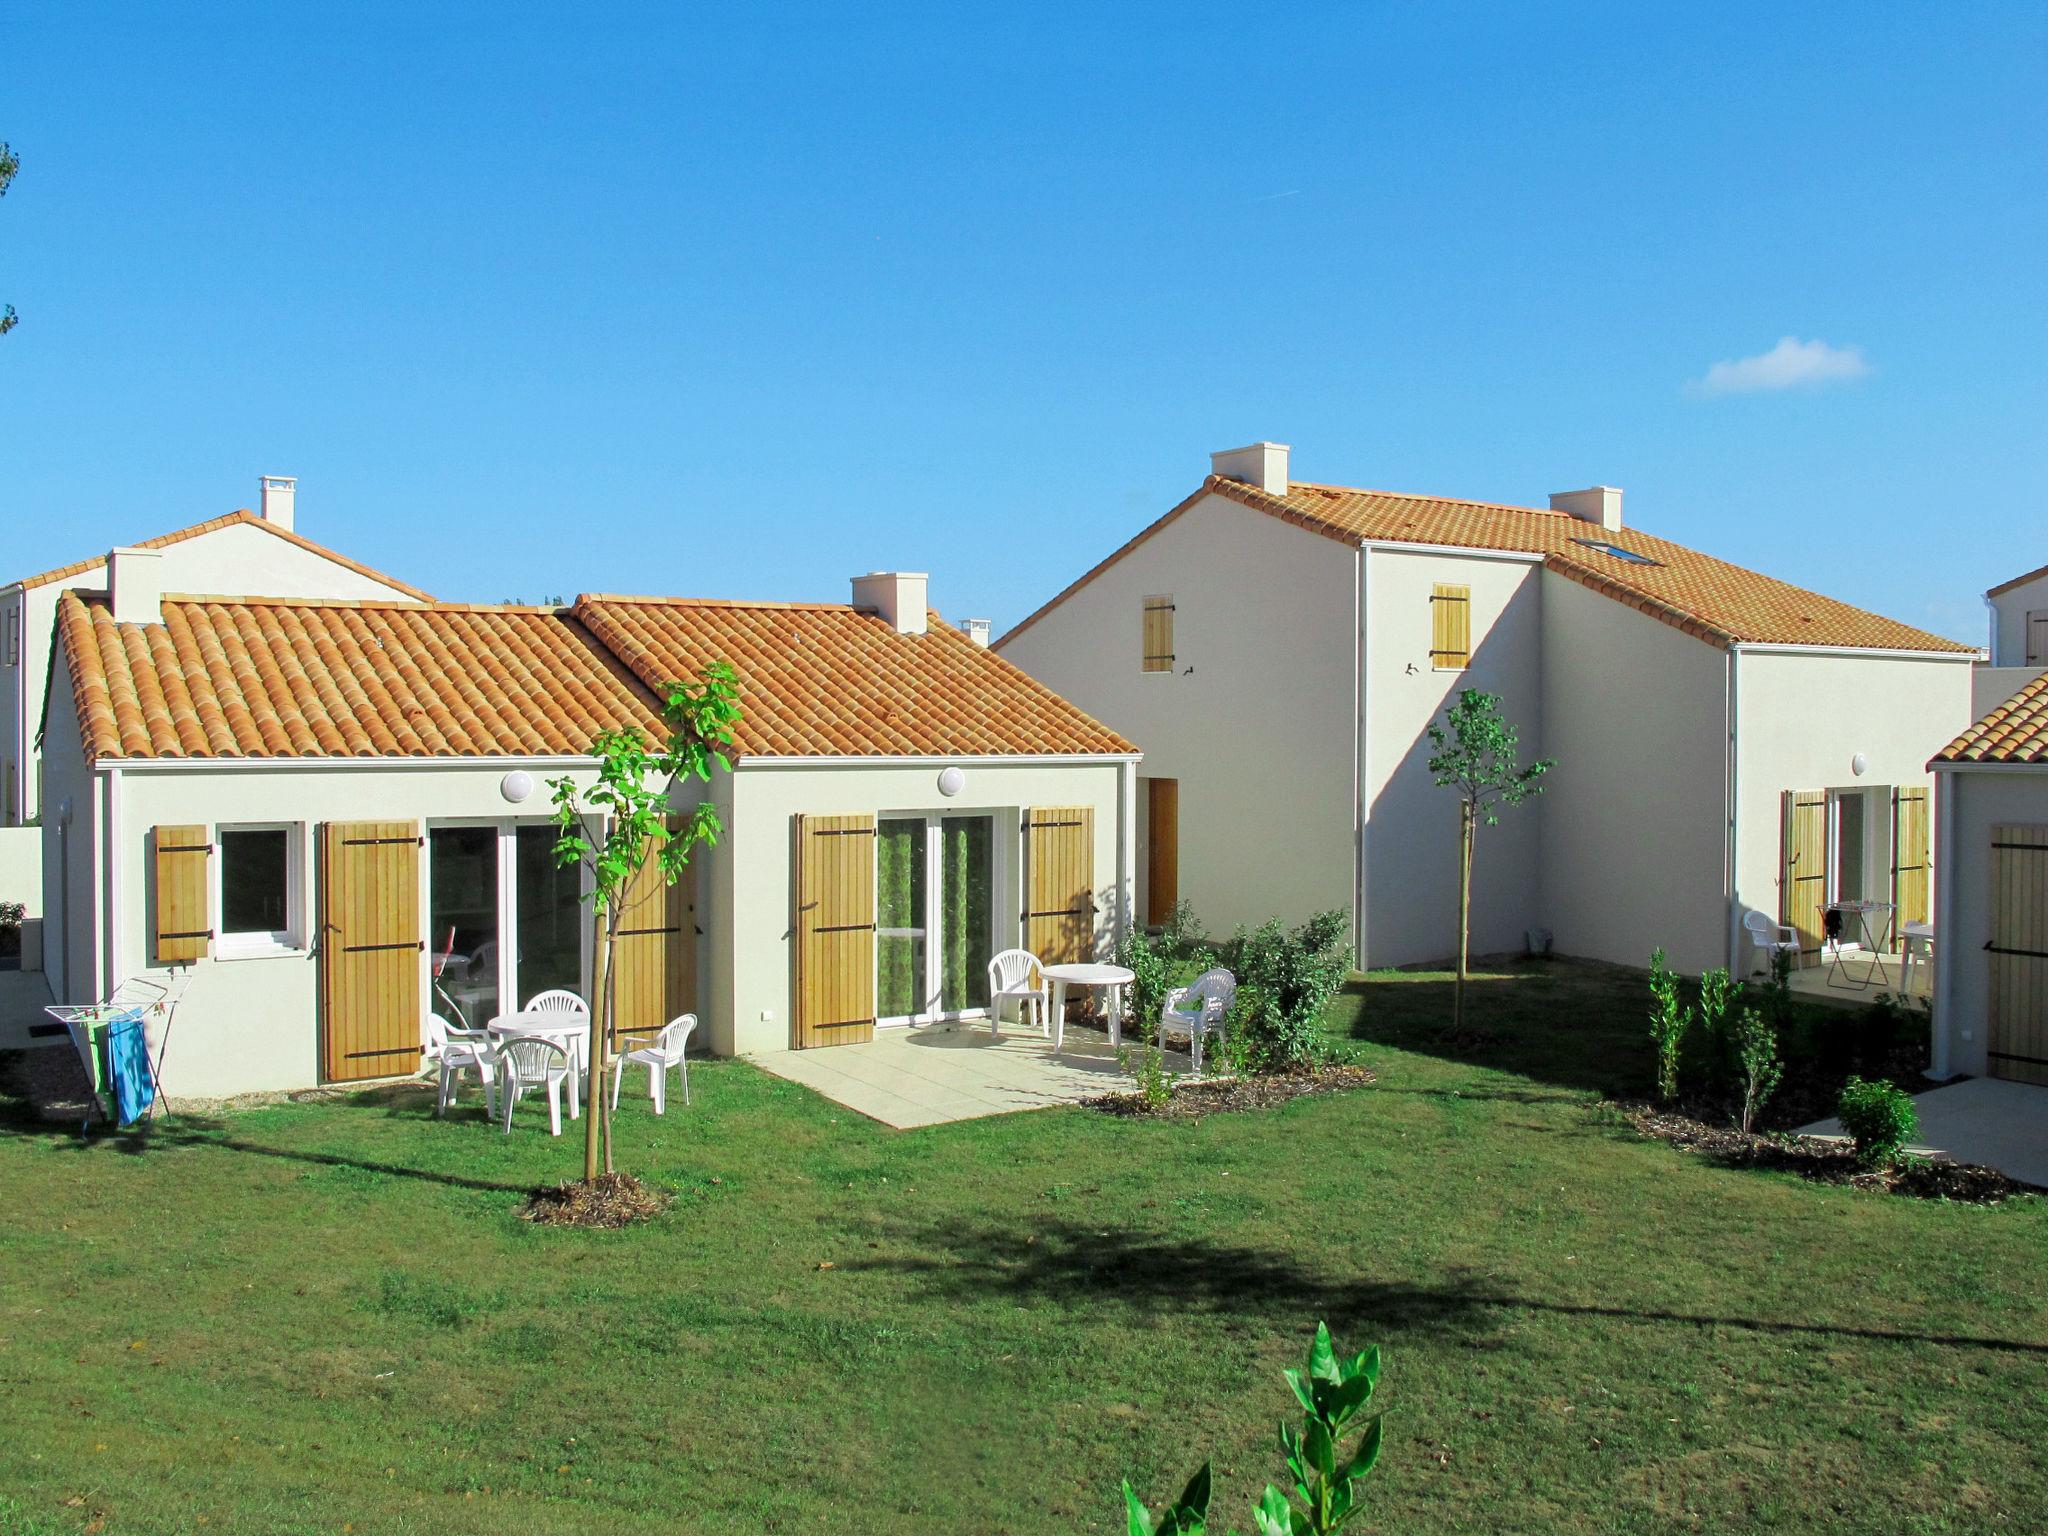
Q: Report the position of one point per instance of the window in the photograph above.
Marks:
(1157, 649)
(1617, 552)
(257, 869)
(1450, 627)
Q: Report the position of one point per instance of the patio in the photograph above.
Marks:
(1984, 1120)
(908, 1078)
(1819, 983)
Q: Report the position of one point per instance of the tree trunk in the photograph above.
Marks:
(1465, 827)
(600, 1034)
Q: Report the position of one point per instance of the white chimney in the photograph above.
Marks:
(1596, 504)
(898, 596)
(976, 630)
(1262, 465)
(135, 583)
(275, 496)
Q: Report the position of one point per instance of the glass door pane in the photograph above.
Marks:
(1850, 835)
(551, 917)
(967, 851)
(462, 922)
(900, 918)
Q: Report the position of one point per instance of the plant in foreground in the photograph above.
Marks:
(1146, 1065)
(1756, 1054)
(1719, 995)
(1333, 1393)
(1669, 1020)
(1879, 1118)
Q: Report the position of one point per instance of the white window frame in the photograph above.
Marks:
(289, 940)
(1000, 867)
(507, 830)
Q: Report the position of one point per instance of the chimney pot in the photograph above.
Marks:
(135, 585)
(1260, 465)
(976, 630)
(898, 596)
(275, 495)
(1597, 504)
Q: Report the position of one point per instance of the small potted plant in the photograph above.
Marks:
(11, 914)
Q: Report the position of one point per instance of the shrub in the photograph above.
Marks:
(1182, 936)
(1669, 1020)
(12, 914)
(1332, 1394)
(1285, 979)
(1146, 1065)
(1755, 1040)
(1880, 1119)
(1147, 990)
(1719, 993)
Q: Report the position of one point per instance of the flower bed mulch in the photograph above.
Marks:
(615, 1200)
(1209, 1096)
(1824, 1161)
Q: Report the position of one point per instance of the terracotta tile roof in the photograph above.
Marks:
(828, 680)
(307, 677)
(1720, 603)
(2018, 581)
(269, 677)
(2015, 732)
(229, 520)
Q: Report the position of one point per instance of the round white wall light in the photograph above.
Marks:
(516, 785)
(951, 782)
(1858, 764)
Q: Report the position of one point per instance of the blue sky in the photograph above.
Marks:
(699, 300)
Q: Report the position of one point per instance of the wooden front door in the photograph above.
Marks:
(2018, 954)
(1059, 884)
(1803, 876)
(370, 945)
(1162, 849)
(654, 955)
(833, 886)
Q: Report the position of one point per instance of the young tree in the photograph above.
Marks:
(615, 825)
(1475, 755)
(10, 162)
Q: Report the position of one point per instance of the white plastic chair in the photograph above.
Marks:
(1769, 937)
(527, 1061)
(1916, 948)
(1198, 1009)
(560, 1001)
(456, 1051)
(665, 1051)
(1016, 976)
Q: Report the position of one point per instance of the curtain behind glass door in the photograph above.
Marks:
(551, 916)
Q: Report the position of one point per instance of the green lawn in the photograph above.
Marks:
(324, 1317)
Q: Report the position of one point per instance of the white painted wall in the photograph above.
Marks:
(1975, 801)
(1634, 847)
(237, 560)
(1261, 732)
(2009, 612)
(1411, 846)
(1802, 718)
(750, 965)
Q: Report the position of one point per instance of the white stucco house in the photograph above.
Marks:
(1991, 894)
(1725, 742)
(330, 818)
(2017, 611)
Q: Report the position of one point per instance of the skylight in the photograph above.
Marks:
(1617, 551)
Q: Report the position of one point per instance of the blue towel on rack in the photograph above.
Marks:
(128, 1066)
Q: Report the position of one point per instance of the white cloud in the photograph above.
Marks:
(1791, 364)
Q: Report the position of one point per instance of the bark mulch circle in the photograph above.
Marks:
(1825, 1162)
(1216, 1095)
(615, 1200)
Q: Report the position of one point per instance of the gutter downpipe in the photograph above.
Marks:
(1944, 956)
(1361, 757)
(104, 860)
(1730, 859)
(1126, 847)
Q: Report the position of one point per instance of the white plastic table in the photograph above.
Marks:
(571, 1031)
(1111, 978)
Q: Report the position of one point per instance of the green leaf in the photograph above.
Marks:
(1301, 1389)
(1194, 1499)
(1322, 1355)
(1139, 1518)
(1275, 1516)
(1320, 1449)
(1367, 1456)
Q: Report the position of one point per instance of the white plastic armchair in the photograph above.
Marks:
(456, 1051)
(527, 1061)
(1017, 977)
(1198, 1009)
(561, 1003)
(666, 1049)
(1769, 937)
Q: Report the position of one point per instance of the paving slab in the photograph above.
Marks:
(1985, 1120)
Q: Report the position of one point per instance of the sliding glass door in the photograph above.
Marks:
(504, 921)
(462, 923)
(934, 916)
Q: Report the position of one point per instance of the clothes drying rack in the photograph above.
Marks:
(154, 1001)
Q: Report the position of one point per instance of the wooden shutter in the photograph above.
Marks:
(1157, 640)
(370, 944)
(1803, 878)
(2018, 954)
(1059, 884)
(2037, 637)
(179, 866)
(834, 888)
(1450, 627)
(654, 955)
(1910, 870)
(1162, 849)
